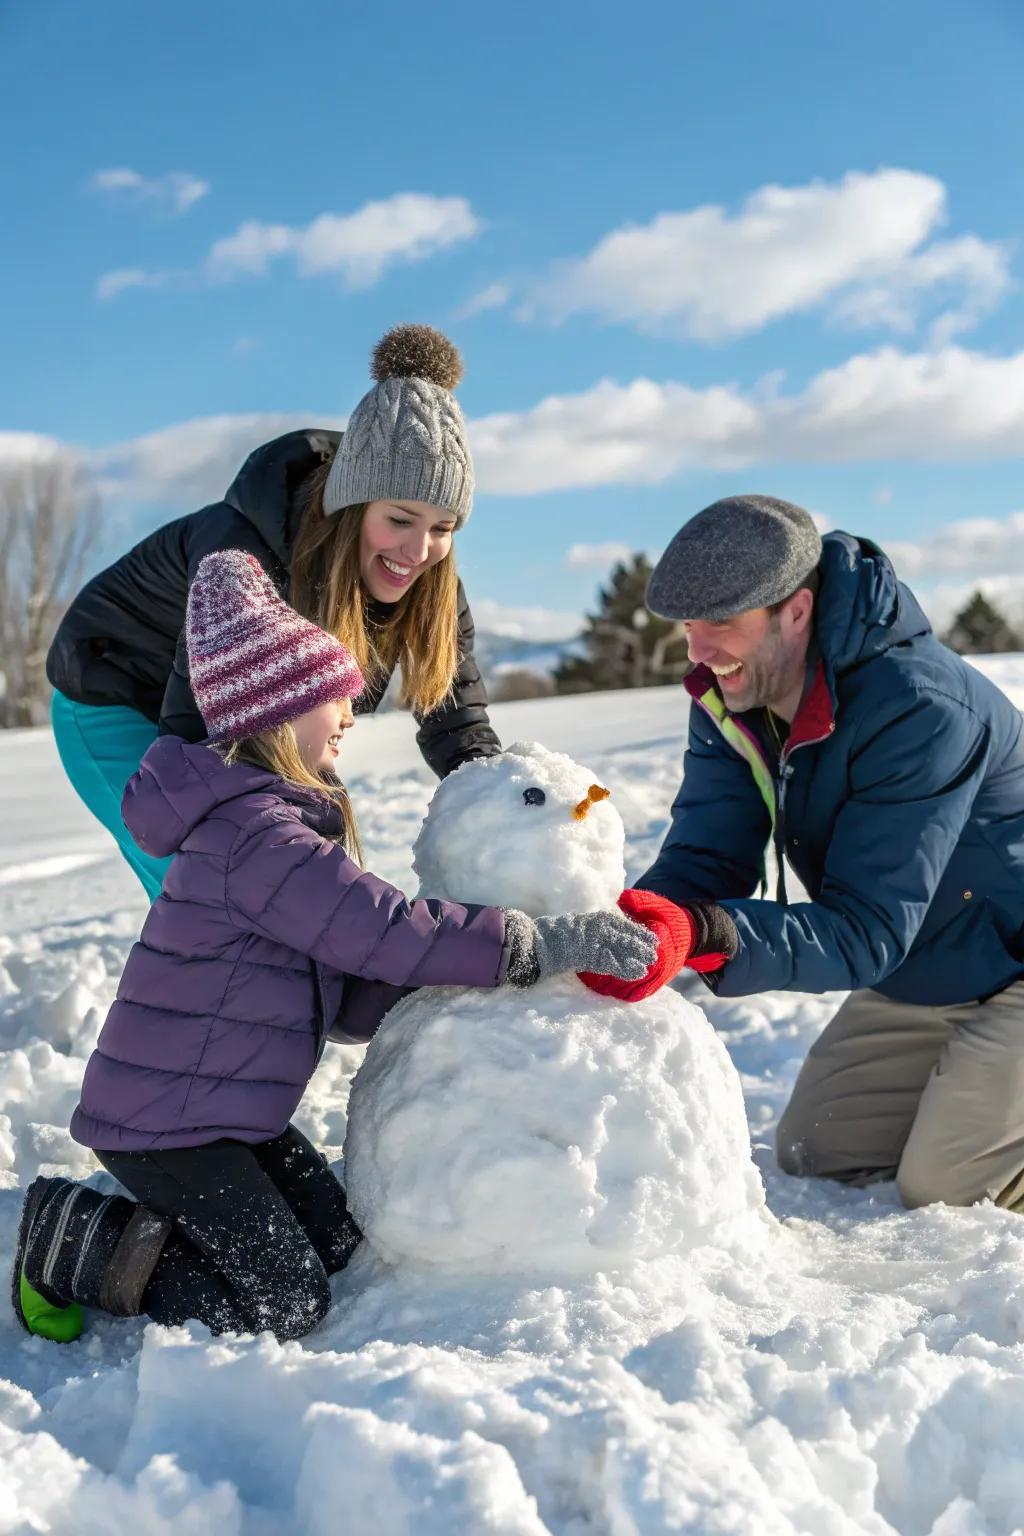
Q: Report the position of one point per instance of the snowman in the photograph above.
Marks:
(548, 1131)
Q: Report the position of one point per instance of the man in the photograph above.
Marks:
(827, 719)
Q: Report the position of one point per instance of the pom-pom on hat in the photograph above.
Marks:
(406, 439)
(255, 662)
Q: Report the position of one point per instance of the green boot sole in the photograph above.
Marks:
(36, 1315)
(60, 1324)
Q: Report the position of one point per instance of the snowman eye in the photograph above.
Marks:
(534, 796)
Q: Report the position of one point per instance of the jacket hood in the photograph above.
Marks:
(265, 488)
(179, 783)
(862, 610)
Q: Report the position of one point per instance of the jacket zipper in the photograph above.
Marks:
(780, 780)
(321, 1014)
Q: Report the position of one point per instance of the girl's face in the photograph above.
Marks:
(398, 542)
(319, 732)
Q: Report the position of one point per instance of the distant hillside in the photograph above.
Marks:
(497, 654)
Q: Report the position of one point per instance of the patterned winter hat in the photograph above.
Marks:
(406, 439)
(255, 662)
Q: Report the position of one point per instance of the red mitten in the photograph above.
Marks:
(673, 929)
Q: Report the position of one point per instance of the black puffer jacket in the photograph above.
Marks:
(122, 640)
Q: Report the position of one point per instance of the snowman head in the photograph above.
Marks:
(528, 829)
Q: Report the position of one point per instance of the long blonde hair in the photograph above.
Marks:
(421, 636)
(277, 750)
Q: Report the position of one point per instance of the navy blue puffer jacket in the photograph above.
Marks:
(898, 800)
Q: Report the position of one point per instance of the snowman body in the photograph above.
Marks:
(548, 1131)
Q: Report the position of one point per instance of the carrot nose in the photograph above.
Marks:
(594, 794)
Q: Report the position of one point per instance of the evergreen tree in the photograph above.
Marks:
(981, 630)
(624, 645)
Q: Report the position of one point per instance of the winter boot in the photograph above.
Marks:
(36, 1313)
(78, 1246)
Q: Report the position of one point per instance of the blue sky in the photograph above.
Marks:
(740, 246)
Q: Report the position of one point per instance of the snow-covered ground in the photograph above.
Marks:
(859, 1370)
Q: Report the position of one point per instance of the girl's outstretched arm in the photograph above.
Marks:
(286, 882)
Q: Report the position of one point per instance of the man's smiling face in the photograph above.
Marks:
(758, 656)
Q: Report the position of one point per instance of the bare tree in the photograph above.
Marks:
(49, 525)
(519, 683)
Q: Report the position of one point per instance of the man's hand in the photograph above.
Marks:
(701, 936)
(673, 931)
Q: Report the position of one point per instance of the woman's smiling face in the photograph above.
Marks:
(398, 542)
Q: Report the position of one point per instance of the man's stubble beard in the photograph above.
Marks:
(768, 679)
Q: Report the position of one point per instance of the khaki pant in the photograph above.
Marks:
(933, 1097)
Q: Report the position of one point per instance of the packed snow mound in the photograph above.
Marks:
(511, 831)
(552, 1132)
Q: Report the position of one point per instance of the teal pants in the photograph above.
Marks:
(100, 746)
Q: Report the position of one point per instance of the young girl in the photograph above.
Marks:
(267, 937)
(355, 530)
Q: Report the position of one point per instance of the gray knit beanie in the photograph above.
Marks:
(406, 439)
(739, 553)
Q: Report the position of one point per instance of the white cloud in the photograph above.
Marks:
(934, 406)
(588, 557)
(525, 623)
(883, 405)
(194, 461)
(975, 545)
(250, 249)
(176, 192)
(612, 434)
(956, 559)
(17, 448)
(494, 296)
(856, 244)
(973, 274)
(358, 246)
(888, 404)
(122, 278)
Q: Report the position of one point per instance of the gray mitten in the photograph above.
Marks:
(607, 942)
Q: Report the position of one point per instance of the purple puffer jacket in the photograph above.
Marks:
(266, 937)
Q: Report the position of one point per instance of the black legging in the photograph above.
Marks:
(258, 1229)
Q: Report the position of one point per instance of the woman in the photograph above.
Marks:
(355, 531)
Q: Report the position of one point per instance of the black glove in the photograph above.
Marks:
(715, 940)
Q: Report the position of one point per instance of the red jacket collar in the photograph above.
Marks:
(699, 680)
(815, 717)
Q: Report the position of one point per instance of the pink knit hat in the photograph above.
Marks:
(255, 662)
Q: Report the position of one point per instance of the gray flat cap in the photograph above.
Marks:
(739, 553)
